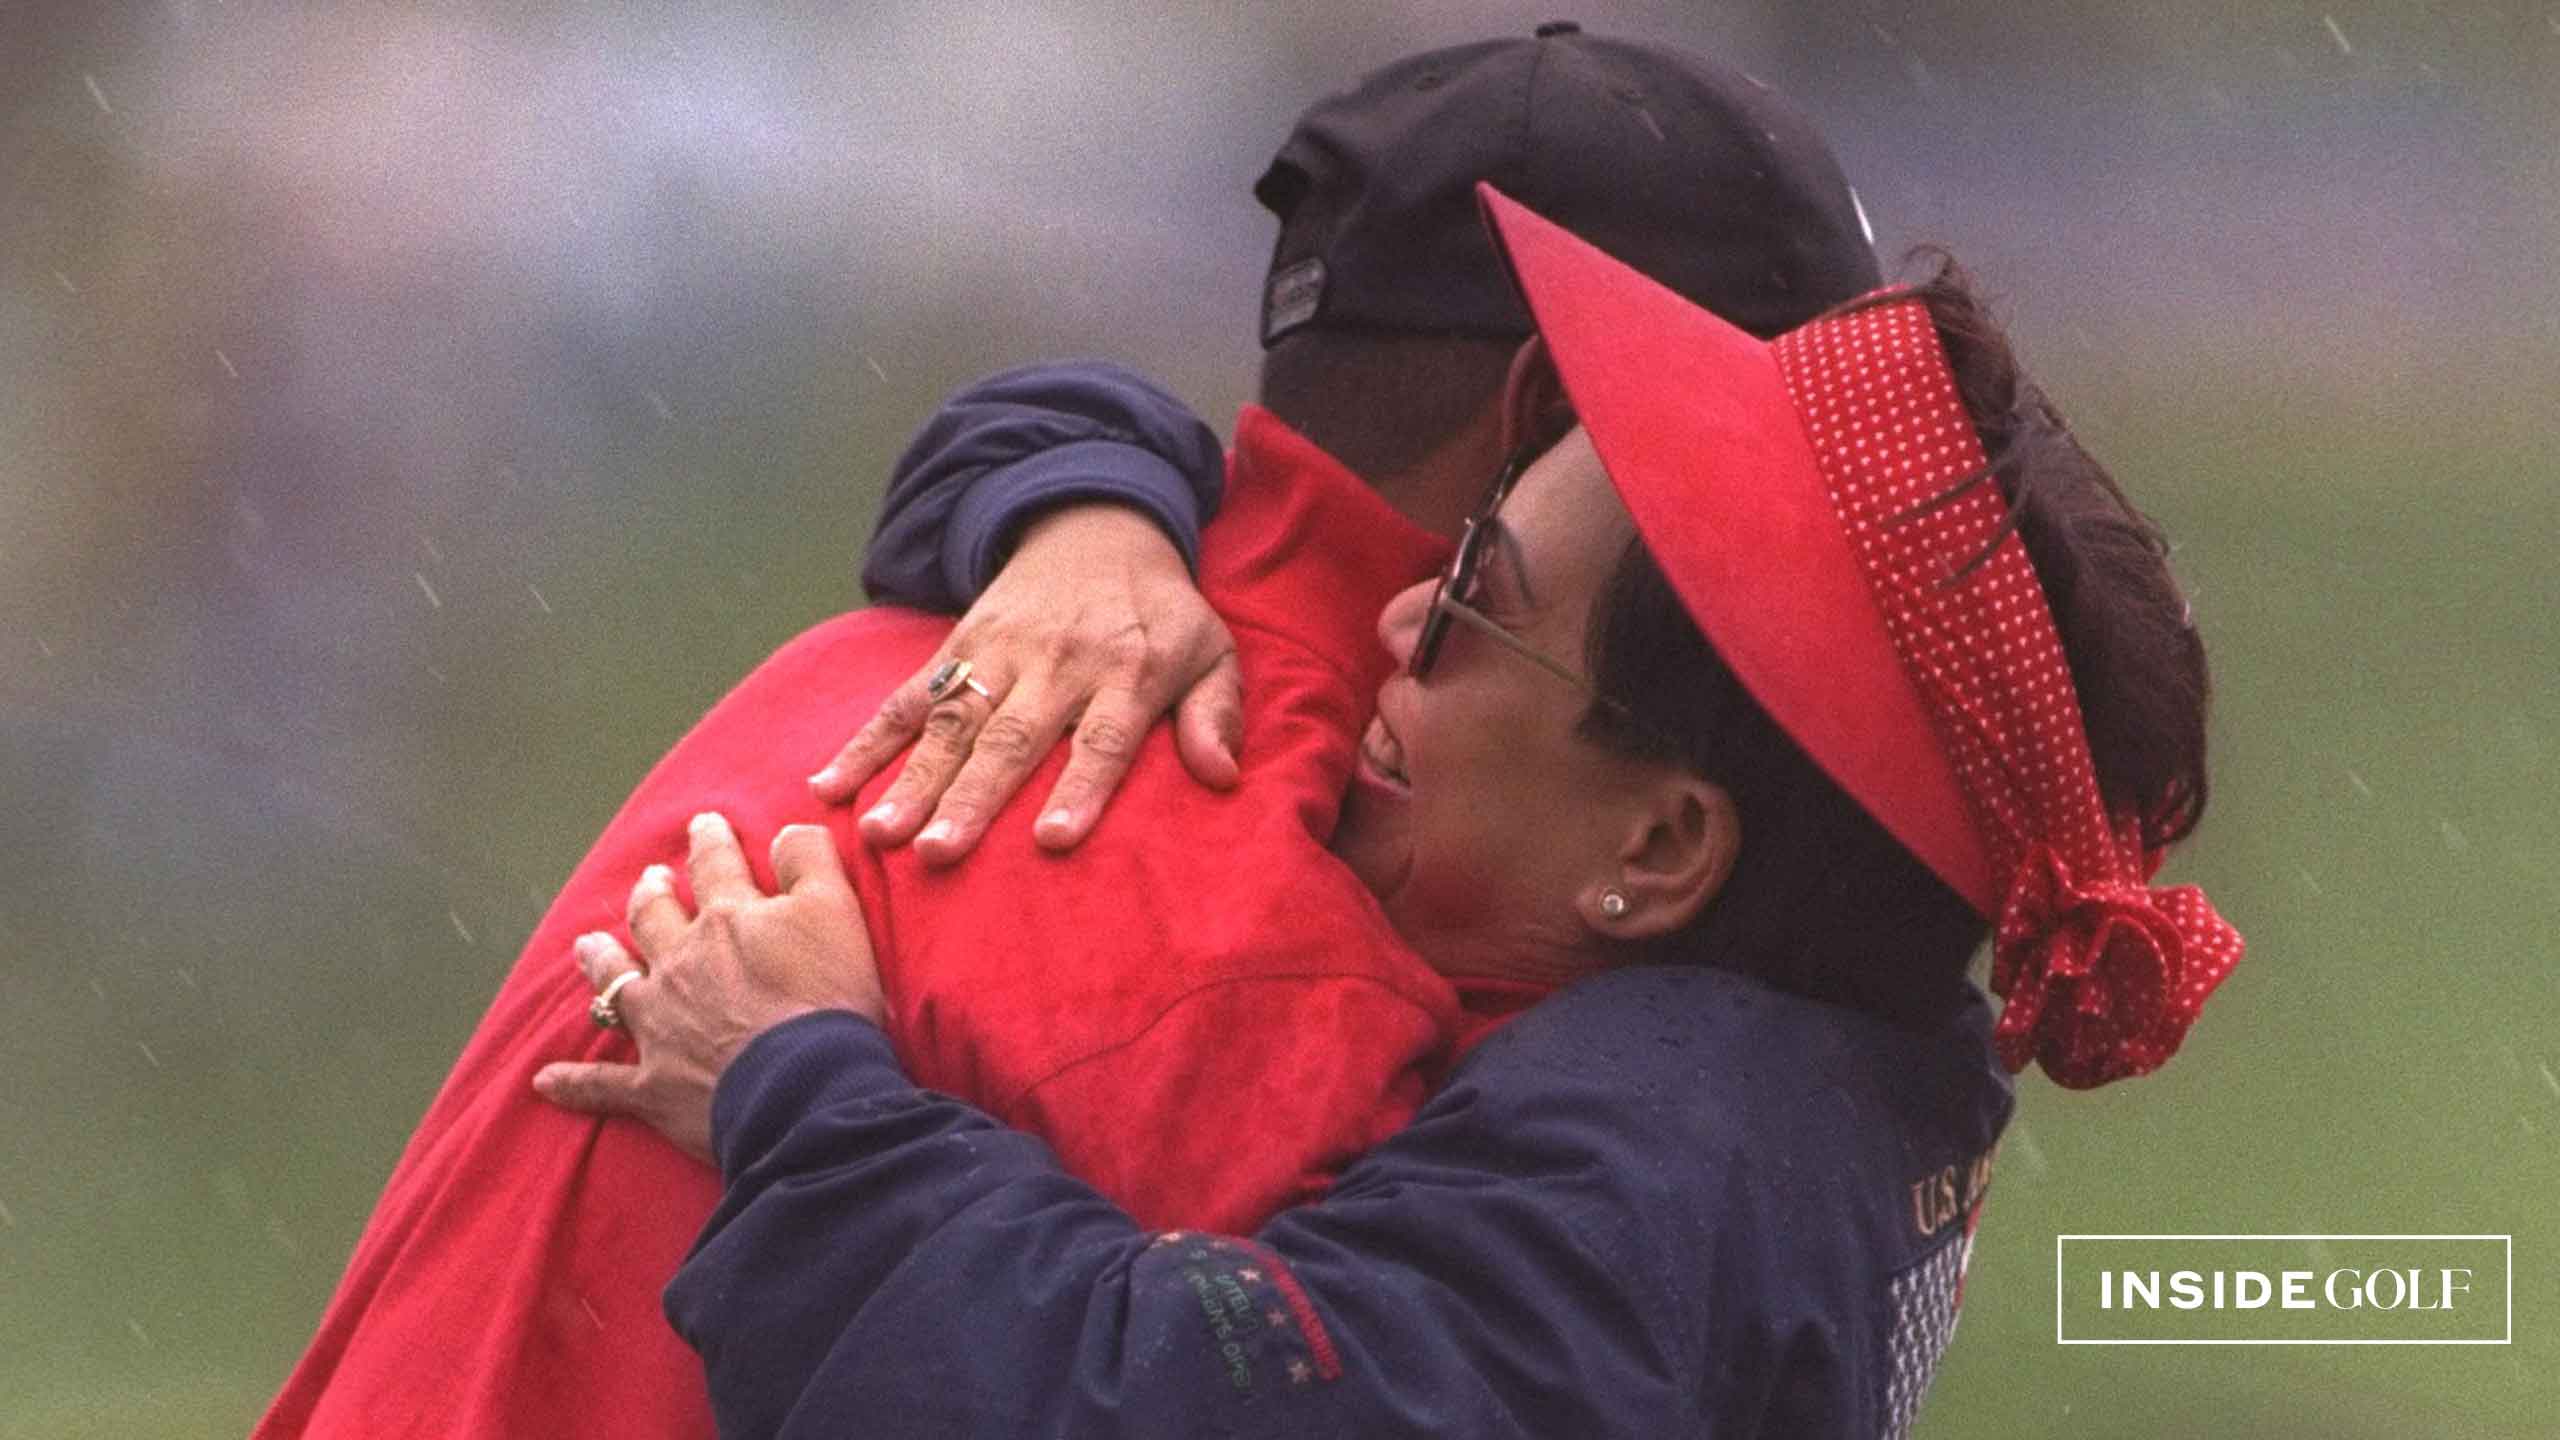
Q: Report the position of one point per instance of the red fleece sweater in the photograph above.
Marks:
(1200, 1010)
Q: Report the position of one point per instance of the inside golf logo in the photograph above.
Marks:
(2283, 1289)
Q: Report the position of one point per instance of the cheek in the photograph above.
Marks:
(1534, 825)
(1484, 836)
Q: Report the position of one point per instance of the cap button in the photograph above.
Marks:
(1554, 28)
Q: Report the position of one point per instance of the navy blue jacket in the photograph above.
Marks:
(1023, 441)
(1670, 1201)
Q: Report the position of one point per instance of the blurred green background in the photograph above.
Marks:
(412, 416)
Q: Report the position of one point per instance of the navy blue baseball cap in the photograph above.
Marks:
(1690, 171)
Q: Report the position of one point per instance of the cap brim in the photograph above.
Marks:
(1700, 434)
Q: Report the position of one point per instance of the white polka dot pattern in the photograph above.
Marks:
(2102, 975)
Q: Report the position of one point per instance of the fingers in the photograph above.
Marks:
(805, 860)
(1009, 746)
(950, 728)
(715, 863)
(600, 957)
(592, 1087)
(1208, 726)
(1208, 731)
(890, 729)
(1106, 744)
(603, 961)
(656, 917)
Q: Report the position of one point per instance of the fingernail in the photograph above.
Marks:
(710, 823)
(884, 813)
(824, 779)
(543, 1084)
(657, 876)
(591, 943)
(1058, 819)
(938, 831)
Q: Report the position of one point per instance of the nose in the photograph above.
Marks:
(1400, 624)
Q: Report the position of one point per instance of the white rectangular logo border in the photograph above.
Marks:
(2508, 1339)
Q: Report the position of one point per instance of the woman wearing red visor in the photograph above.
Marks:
(1750, 707)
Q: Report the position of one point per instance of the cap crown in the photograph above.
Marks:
(1688, 170)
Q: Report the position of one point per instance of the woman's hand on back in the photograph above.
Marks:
(1094, 623)
(714, 980)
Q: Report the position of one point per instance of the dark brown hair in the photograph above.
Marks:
(1822, 900)
(1381, 401)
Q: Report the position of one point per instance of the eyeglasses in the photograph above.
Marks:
(1458, 583)
(1464, 573)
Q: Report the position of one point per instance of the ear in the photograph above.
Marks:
(1677, 851)
(1534, 406)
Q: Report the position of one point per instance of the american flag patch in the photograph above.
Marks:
(1923, 1300)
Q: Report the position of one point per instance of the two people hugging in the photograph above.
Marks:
(1525, 988)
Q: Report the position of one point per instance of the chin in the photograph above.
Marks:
(1370, 839)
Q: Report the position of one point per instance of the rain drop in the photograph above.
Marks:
(875, 368)
(97, 92)
(2358, 781)
(225, 362)
(2337, 34)
(536, 592)
(458, 927)
(432, 601)
(149, 1054)
(2029, 1153)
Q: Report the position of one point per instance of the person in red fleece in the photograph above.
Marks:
(1207, 1058)
(1206, 1061)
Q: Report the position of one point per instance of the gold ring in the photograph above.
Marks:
(953, 675)
(601, 1009)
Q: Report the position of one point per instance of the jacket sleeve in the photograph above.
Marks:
(1500, 1268)
(1023, 441)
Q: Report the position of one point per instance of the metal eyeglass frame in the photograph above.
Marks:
(1460, 577)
